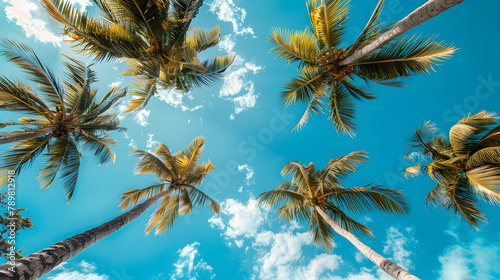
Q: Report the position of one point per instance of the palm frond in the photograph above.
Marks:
(465, 133)
(339, 168)
(70, 169)
(403, 58)
(171, 212)
(370, 32)
(369, 198)
(321, 231)
(341, 109)
(328, 20)
(485, 177)
(149, 164)
(132, 197)
(347, 223)
(294, 46)
(315, 105)
(463, 203)
(303, 88)
(26, 58)
(187, 159)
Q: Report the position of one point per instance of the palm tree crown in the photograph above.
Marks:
(178, 174)
(324, 81)
(154, 37)
(466, 167)
(296, 199)
(62, 115)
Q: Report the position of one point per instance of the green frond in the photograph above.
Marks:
(16, 96)
(368, 199)
(465, 133)
(463, 203)
(26, 58)
(132, 197)
(315, 105)
(276, 197)
(294, 46)
(485, 177)
(428, 143)
(149, 164)
(159, 212)
(100, 146)
(403, 58)
(346, 222)
(70, 169)
(199, 40)
(303, 88)
(199, 199)
(145, 90)
(485, 156)
(300, 175)
(187, 159)
(341, 109)
(339, 168)
(171, 212)
(189, 78)
(491, 139)
(371, 31)
(55, 159)
(299, 212)
(328, 20)
(321, 231)
(164, 154)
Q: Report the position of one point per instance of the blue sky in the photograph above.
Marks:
(249, 138)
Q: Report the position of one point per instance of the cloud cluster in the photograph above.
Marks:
(83, 271)
(227, 11)
(188, 267)
(27, 14)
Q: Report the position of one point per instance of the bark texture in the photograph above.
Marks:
(30, 135)
(425, 12)
(37, 264)
(386, 265)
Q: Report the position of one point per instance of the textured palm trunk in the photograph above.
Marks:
(37, 264)
(386, 265)
(29, 135)
(425, 12)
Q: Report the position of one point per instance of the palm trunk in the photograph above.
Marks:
(37, 264)
(425, 12)
(386, 265)
(29, 135)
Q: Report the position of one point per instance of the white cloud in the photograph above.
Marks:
(151, 143)
(187, 267)
(246, 101)
(87, 267)
(115, 84)
(249, 174)
(397, 246)
(227, 11)
(245, 220)
(132, 144)
(82, 3)
(142, 117)
(216, 221)
(320, 264)
(470, 261)
(26, 14)
(237, 87)
(171, 97)
(84, 271)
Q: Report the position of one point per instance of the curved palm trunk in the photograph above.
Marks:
(425, 12)
(37, 264)
(386, 265)
(29, 135)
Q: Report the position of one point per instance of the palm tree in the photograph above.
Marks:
(466, 167)
(324, 81)
(178, 175)
(317, 197)
(154, 37)
(62, 114)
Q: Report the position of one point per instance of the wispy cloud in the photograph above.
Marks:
(227, 11)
